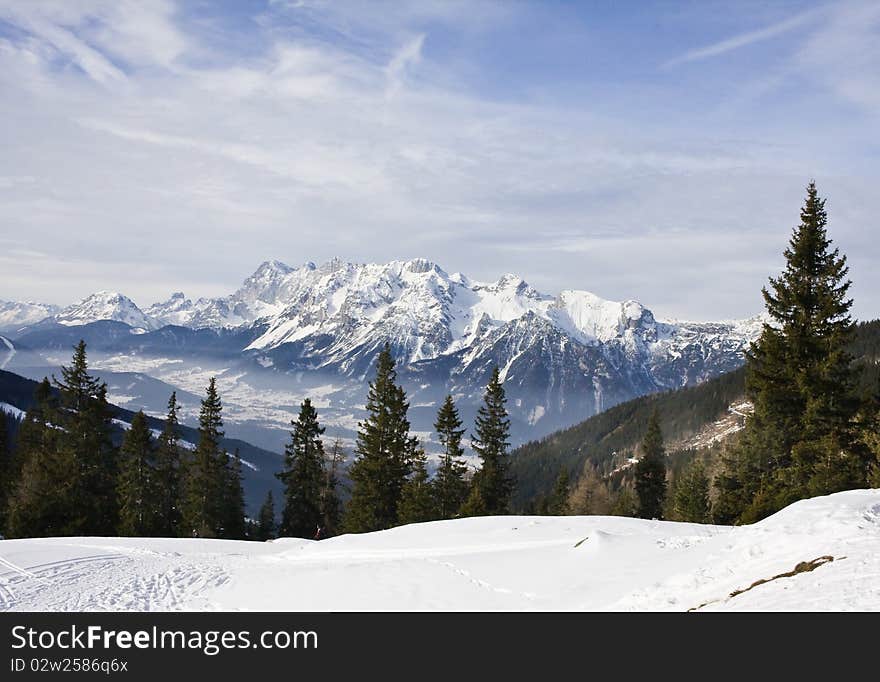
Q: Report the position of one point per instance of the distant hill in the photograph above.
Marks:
(259, 465)
(609, 438)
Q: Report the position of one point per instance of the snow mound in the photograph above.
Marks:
(819, 554)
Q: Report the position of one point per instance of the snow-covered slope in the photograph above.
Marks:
(819, 554)
(105, 305)
(17, 314)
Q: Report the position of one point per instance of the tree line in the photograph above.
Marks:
(65, 475)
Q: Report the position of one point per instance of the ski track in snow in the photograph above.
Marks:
(494, 563)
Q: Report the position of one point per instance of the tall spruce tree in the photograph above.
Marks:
(137, 486)
(168, 473)
(86, 433)
(42, 502)
(491, 443)
(800, 440)
(384, 452)
(303, 476)
(449, 485)
(205, 484)
(232, 512)
(558, 502)
(417, 499)
(331, 503)
(650, 472)
(6, 475)
(690, 501)
(266, 521)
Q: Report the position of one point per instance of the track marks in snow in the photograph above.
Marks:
(136, 580)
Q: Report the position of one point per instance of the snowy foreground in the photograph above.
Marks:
(497, 563)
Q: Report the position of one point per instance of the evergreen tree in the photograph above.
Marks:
(331, 504)
(417, 500)
(383, 453)
(303, 476)
(691, 496)
(450, 487)
(205, 485)
(266, 524)
(625, 502)
(474, 505)
(232, 512)
(6, 474)
(800, 440)
(137, 487)
(42, 499)
(491, 444)
(85, 435)
(558, 501)
(168, 474)
(650, 472)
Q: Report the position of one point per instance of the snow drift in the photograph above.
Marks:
(818, 554)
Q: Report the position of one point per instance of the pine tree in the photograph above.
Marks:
(303, 476)
(474, 505)
(625, 502)
(168, 474)
(85, 435)
(491, 443)
(331, 504)
(558, 502)
(42, 503)
(206, 483)
(137, 486)
(6, 474)
(232, 512)
(266, 524)
(450, 487)
(383, 453)
(800, 440)
(650, 472)
(417, 500)
(691, 497)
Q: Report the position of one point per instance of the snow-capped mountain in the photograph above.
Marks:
(105, 305)
(288, 333)
(17, 314)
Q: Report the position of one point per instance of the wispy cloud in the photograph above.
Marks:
(742, 40)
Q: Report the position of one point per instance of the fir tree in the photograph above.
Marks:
(206, 481)
(85, 435)
(474, 505)
(383, 453)
(303, 476)
(690, 501)
(450, 487)
(417, 500)
(266, 525)
(137, 487)
(625, 502)
(558, 501)
(331, 504)
(168, 474)
(650, 472)
(232, 511)
(42, 502)
(6, 474)
(800, 440)
(491, 444)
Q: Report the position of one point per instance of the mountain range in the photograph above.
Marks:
(314, 331)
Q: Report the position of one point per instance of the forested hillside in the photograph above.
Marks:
(609, 438)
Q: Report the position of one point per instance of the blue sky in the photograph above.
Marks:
(656, 151)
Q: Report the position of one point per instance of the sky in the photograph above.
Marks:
(656, 151)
